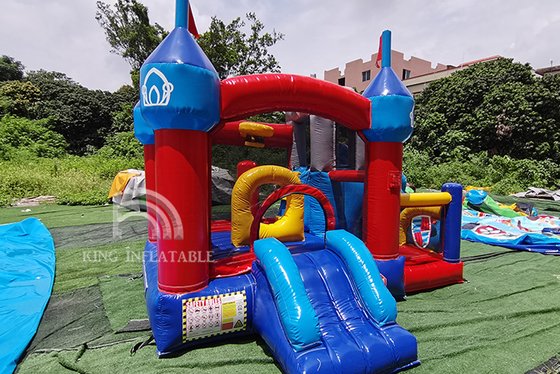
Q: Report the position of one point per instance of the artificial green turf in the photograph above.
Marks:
(123, 298)
(242, 356)
(96, 348)
(82, 267)
(70, 319)
(64, 215)
(506, 319)
(469, 249)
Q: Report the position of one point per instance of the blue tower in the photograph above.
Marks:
(392, 108)
(180, 100)
(392, 105)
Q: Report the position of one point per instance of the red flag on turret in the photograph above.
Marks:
(192, 26)
(378, 61)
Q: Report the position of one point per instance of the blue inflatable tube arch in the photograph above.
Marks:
(297, 316)
(377, 299)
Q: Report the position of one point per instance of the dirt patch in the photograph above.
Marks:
(34, 201)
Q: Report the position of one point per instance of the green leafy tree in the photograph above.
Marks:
(231, 51)
(10, 69)
(128, 30)
(234, 53)
(121, 117)
(498, 107)
(123, 120)
(229, 48)
(82, 116)
(18, 98)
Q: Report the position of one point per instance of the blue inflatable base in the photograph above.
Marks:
(169, 313)
(393, 271)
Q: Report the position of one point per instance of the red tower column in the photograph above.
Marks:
(382, 198)
(183, 185)
(150, 177)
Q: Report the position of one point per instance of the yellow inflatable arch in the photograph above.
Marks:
(287, 228)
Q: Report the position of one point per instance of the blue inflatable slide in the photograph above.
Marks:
(328, 311)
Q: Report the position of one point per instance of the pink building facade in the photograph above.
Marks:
(359, 74)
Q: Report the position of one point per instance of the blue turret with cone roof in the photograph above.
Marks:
(180, 88)
(142, 130)
(392, 105)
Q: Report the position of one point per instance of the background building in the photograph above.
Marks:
(415, 73)
(553, 70)
(418, 83)
(358, 74)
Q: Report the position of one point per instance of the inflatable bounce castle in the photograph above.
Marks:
(316, 296)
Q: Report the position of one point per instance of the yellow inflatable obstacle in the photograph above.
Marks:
(420, 199)
(287, 228)
(254, 133)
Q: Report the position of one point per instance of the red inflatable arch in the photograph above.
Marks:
(290, 189)
(249, 95)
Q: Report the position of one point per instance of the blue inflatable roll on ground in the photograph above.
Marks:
(27, 263)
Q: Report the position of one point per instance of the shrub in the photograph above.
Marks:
(122, 145)
(92, 197)
(33, 136)
(504, 174)
(72, 180)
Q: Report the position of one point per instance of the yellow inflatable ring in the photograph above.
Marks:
(287, 228)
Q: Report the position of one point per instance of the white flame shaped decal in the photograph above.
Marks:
(162, 99)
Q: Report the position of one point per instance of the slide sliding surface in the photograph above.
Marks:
(351, 341)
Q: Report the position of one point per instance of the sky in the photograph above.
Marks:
(319, 35)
